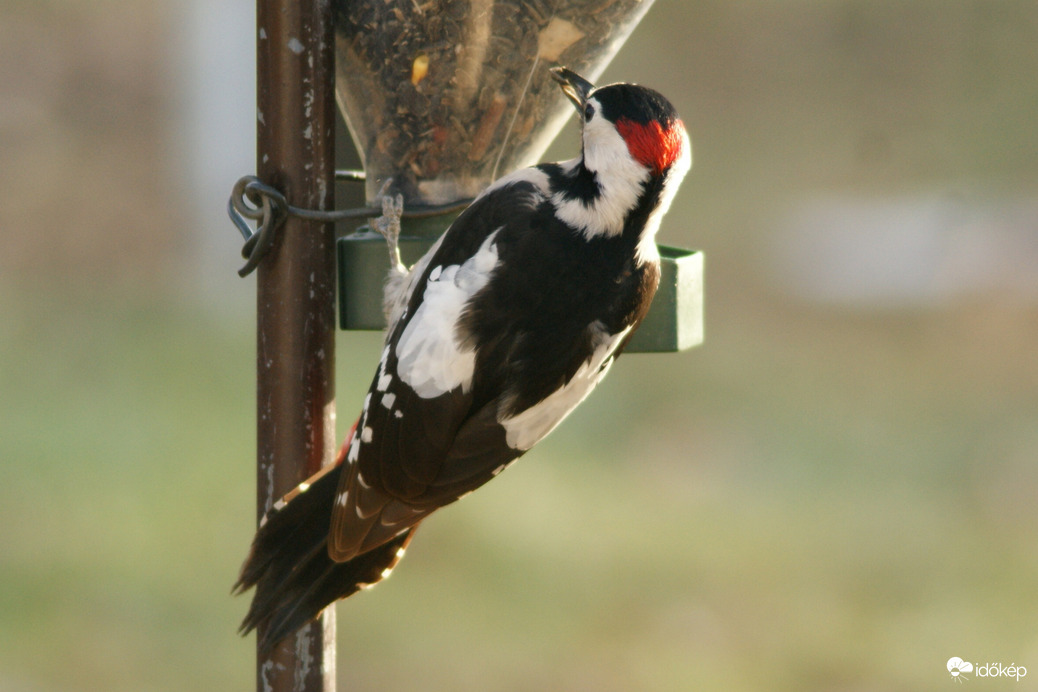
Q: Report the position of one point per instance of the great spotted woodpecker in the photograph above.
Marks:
(494, 336)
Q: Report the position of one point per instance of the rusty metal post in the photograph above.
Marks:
(296, 292)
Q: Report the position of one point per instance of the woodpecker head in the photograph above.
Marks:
(634, 147)
(627, 121)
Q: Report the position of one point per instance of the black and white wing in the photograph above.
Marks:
(510, 321)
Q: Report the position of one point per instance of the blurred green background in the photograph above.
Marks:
(836, 492)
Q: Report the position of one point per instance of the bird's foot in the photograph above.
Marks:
(388, 225)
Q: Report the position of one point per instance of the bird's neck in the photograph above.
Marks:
(608, 196)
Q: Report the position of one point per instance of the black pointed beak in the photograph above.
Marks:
(573, 85)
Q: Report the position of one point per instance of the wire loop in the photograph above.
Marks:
(253, 200)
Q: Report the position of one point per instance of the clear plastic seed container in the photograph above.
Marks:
(445, 96)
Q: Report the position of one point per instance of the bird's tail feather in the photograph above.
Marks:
(290, 568)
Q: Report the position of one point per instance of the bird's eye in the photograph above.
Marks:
(589, 112)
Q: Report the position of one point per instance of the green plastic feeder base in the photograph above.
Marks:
(674, 323)
(675, 320)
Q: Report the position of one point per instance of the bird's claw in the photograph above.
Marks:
(388, 225)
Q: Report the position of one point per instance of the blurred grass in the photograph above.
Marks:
(816, 499)
(685, 529)
(121, 432)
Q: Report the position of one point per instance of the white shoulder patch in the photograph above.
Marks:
(429, 358)
(527, 428)
(399, 287)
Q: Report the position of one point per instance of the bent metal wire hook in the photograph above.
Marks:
(253, 200)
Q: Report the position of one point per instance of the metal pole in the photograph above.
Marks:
(295, 293)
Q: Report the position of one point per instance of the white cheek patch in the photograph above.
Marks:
(429, 358)
(620, 179)
(527, 428)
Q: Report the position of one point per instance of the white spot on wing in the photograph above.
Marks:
(384, 382)
(365, 435)
(388, 400)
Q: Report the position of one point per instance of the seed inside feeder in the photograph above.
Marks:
(444, 97)
(419, 69)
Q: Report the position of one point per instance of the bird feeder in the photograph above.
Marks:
(442, 97)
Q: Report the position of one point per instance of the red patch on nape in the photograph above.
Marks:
(651, 145)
